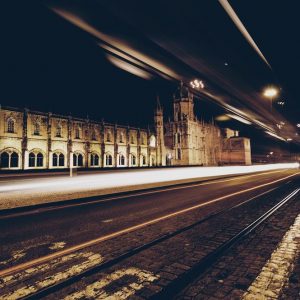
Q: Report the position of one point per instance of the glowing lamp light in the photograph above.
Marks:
(270, 92)
(197, 84)
(289, 139)
(298, 125)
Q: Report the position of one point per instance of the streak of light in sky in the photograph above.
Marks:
(235, 19)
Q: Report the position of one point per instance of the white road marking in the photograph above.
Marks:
(275, 273)
(90, 259)
(96, 290)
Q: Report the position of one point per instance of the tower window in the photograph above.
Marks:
(77, 133)
(58, 130)
(10, 125)
(37, 128)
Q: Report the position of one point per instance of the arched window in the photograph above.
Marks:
(94, 159)
(80, 160)
(61, 160)
(31, 159)
(9, 160)
(58, 130)
(4, 160)
(178, 138)
(133, 159)
(143, 159)
(14, 160)
(77, 160)
(37, 128)
(108, 161)
(39, 160)
(11, 125)
(54, 160)
(121, 160)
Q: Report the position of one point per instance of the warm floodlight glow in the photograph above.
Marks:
(289, 139)
(270, 92)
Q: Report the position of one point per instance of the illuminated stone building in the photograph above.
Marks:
(37, 140)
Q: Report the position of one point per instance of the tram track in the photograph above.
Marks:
(199, 266)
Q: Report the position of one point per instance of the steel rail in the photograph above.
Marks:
(206, 261)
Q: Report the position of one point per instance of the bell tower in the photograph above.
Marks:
(183, 104)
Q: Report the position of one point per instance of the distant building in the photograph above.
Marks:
(37, 140)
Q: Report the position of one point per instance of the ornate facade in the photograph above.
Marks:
(36, 140)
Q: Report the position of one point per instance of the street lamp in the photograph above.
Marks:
(270, 92)
(197, 84)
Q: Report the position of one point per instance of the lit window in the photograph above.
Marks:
(10, 125)
(58, 130)
(77, 133)
(37, 128)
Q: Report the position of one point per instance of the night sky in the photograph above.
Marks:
(48, 64)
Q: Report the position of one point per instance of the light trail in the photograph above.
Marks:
(131, 178)
(100, 239)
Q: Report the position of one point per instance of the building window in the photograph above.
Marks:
(94, 134)
(58, 130)
(143, 140)
(36, 160)
(132, 139)
(153, 161)
(108, 161)
(37, 128)
(178, 138)
(39, 160)
(143, 159)
(133, 160)
(178, 153)
(77, 133)
(121, 137)
(94, 159)
(108, 136)
(9, 160)
(77, 160)
(10, 125)
(121, 160)
(58, 160)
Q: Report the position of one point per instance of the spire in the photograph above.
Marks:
(158, 105)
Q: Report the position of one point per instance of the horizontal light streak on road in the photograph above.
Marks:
(133, 178)
(100, 239)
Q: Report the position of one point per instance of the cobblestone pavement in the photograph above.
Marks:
(148, 272)
(256, 267)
